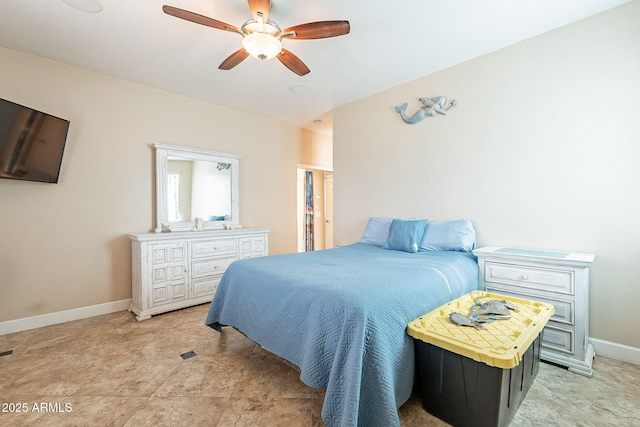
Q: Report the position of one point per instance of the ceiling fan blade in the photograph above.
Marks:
(234, 59)
(262, 6)
(198, 19)
(293, 63)
(318, 30)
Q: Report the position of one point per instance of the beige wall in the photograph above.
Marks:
(65, 246)
(316, 149)
(543, 151)
(315, 153)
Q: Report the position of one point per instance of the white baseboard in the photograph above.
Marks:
(26, 323)
(616, 351)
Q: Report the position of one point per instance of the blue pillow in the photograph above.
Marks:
(405, 235)
(377, 231)
(456, 235)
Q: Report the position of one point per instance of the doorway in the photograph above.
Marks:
(314, 213)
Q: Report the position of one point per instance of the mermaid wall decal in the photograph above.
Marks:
(430, 108)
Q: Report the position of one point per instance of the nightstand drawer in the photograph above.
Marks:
(565, 311)
(558, 339)
(541, 279)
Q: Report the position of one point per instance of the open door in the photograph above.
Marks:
(318, 210)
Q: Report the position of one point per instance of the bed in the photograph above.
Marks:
(340, 315)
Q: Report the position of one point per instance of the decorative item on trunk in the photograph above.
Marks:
(430, 108)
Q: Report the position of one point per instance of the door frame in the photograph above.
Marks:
(300, 200)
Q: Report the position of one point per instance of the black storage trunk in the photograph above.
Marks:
(464, 392)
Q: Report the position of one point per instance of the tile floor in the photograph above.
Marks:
(112, 370)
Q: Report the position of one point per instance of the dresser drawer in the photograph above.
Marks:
(560, 281)
(204, 287)
(211, 248)
(209, 267)
(558, 339)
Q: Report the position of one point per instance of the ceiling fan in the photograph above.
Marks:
(262, 38)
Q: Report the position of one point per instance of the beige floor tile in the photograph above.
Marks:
(131, 375)
(107, 322)
(229, 342)
(272, 412)
(19, 411)
(55, 375)
(613, 412)
(93, 411)
(204, 377)
(549, 412)
(49, 340)
(266, 375)
(178, 411)
(168, 343)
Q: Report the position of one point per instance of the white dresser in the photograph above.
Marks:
(180, 269)
(558, 278)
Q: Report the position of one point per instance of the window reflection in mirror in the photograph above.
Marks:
(198, 189)
(173, 196)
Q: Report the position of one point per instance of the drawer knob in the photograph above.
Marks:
(525, 277)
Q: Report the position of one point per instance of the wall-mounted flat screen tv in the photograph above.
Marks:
(31, 143)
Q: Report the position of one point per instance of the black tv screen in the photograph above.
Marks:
(31, 143)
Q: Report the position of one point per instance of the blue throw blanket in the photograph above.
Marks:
(340, 315)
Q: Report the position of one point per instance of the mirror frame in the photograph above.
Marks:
(163, 153)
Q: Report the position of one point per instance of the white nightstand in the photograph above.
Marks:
(558, 278)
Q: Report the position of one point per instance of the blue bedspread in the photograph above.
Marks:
(340, 315)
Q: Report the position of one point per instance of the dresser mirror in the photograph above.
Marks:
(196, 189)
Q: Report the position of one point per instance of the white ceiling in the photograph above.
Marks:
(391, 42)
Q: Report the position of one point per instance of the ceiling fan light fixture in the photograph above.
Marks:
(262, 45)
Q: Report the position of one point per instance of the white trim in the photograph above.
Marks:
(318, 168)
(26, 323)
(616, 351)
